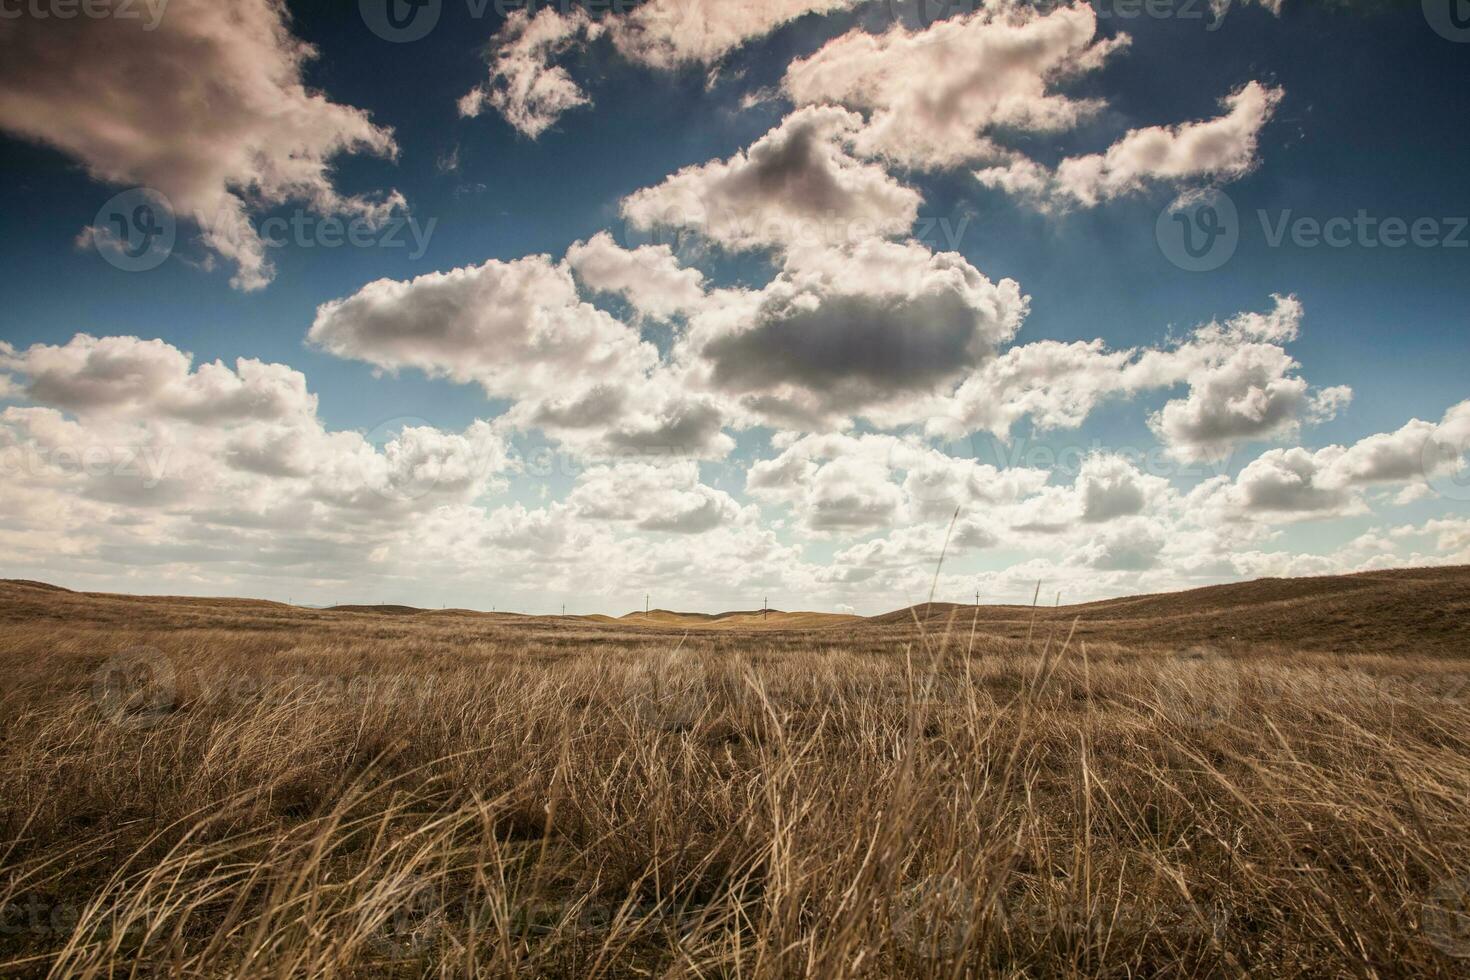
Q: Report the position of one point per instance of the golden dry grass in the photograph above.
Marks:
(201, 788)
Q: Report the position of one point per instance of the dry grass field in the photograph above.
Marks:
(1270, 779)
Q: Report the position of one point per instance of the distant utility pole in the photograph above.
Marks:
(765, 606)
(563, 608)
(977, 597)
(645, 605)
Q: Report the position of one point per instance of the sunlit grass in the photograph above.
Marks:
(365, 795)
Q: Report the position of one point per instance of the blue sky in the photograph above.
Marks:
(1278, 442)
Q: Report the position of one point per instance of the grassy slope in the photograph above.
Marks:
(351, 793)
(1423, 610)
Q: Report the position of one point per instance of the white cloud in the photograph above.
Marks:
(935, 97)
(1328, 482)
(1057, 385)
(654, 498)
(207, 106)
(666, 34)
(857, 330)
(845, 482)
(649, 277)
(1222, 7)
(834, 482)
(532, 92)
(796, 185)
(126, 376)
(1110, 487)
(1222, 148)
(1243, 385)
(1131, 545)
(518, 329)
(907, 553)
(114, 470)
(135, 460)
(524, 87)
(1292, 481)
(655, 420)
(1251, 394)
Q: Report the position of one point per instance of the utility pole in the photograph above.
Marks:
(765, 606)
(645, 605)
(563, 608)
(977, 597)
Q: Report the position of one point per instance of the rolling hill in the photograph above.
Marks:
(754, 619)
(1420, 610)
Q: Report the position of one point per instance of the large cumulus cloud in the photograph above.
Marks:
(796, 185)
(854, 330)
(935, 98)
(207, 105)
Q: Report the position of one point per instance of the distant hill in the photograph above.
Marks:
(391, 610)
(1420, 610)
(752, 619)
